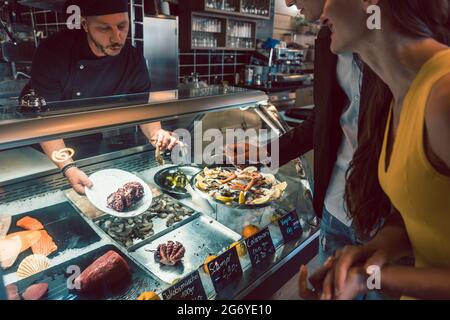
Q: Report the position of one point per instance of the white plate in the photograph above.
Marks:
(108, 181)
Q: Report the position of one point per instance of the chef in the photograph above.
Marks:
(92, 62)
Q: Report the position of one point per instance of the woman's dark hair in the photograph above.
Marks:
(366, 202)
(418, 18)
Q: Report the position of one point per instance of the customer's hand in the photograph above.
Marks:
(348, 264)
(242, 154)
(316, 280)
(354, 286)
(164, 139)
(78, 180)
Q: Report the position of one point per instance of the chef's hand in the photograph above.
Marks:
(78, 180)
(164, 139)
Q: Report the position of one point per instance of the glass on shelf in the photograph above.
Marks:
(206, 25)
(223, 5)
(240, 29)
(256, 7)
(204, 40)
(240, 35)
(240, 43)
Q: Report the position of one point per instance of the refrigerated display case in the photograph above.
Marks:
(256, 248)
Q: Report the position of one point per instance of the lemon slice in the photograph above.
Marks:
(201, 185)
(224, 199)
(262, 200)
(242, 197)
(281, 186)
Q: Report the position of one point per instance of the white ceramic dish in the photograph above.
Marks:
(109, 181)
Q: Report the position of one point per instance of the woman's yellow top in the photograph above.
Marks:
(417, 190)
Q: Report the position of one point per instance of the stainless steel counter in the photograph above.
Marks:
(49, 187)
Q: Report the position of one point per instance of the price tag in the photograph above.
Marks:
(290, 226)
(225, 269)
(260, 247)
(189, 288)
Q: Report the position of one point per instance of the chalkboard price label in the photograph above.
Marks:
(290, 226)
(189, 288)
(260, 247)
(225, 269)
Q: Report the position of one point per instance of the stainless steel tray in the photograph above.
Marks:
(57, 279)
(201, 237)
(160, 225)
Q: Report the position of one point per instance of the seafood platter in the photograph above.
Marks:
(244, 188)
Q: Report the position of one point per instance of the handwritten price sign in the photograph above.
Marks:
(189, 288)
(290, 226)
(260, 247)
(225, 269)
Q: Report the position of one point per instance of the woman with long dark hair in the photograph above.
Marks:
(412, 137)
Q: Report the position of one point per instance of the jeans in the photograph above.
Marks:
(334, 235)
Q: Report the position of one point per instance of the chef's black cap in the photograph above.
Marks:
(99, 7)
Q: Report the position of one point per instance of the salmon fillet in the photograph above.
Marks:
(45, 245)
(27, 238)
(30, 223)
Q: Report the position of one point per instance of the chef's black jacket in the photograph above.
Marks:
(65, 68)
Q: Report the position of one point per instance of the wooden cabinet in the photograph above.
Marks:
(201, 30)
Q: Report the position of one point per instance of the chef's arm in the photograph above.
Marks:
(157, 136)
(55, 145)
(77, 178)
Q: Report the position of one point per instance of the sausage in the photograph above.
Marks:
(36, 291)
(107, 270)
(12, 292)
